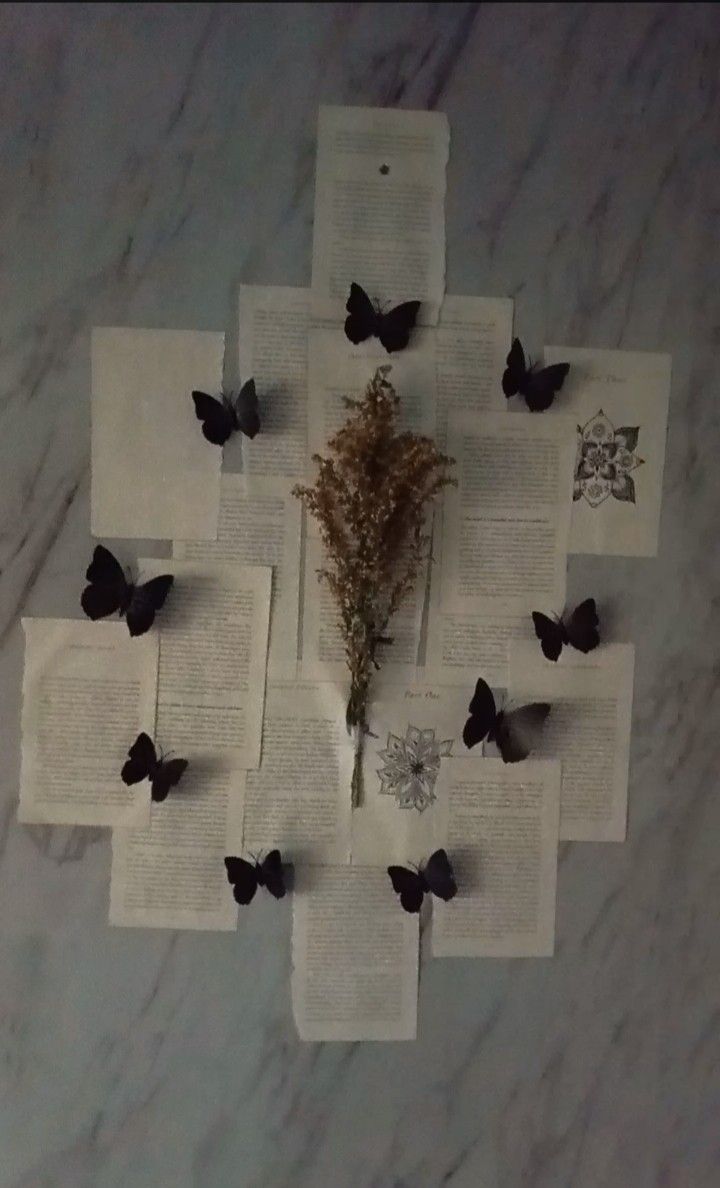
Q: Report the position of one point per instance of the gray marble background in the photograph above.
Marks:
(153, 156)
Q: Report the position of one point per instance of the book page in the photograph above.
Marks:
(172, 875)
(506, 523)
(619, 400)
(261, 526)
(213, 653)
(274, 323)
(323, 647)
(500, 829)
(415, 735)
(355, 956)
(588, 728)
(460, 647)
(338, 370)
(473, 340)
(379, 208)
(299, 799)
(153, 473)
(89, 689)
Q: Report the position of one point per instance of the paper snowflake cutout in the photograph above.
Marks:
(411, 766)
(605, 457)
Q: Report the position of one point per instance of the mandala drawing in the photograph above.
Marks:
(410, 767)
(605, 457)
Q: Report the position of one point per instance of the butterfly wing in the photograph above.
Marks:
(539, 387)
(108, 589)
(551, 635)
(145, 601)
(141, 760)
(243, 876)
(362, 320)
(439, 875)
(482, 715)
(582, 626)
(218, 421)
(168, 774)
(409, 885)
(247, 413)
(515, 369)
(517, 732)
(395, 326)
(271, 874)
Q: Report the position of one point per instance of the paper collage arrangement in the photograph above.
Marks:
(243, 673)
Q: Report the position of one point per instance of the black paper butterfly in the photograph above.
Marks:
(246, 877)
(366, 320)
(412, 885)
(143, 764)
(580, 630)
(516, 732)
(110, 591)
(221, 418)
(538, 387)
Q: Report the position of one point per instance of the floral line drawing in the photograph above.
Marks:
(411, 766)
(605, 458)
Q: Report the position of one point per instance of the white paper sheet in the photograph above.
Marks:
(89, 689)
(506, 523)
(620, 402)
(213, 654)
(337, 369)
(588, 729)
(299, 799)
(323, 649)
(379, 208)
(274, 322)
(499, 823)
(473, 339)
(416, 731)
(261, 526)
(355, 956)
(462, 647)
(153, 473)
(172, 875)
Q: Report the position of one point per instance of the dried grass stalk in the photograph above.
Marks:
(370, 499)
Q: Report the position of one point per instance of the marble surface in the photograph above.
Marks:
(153, 157)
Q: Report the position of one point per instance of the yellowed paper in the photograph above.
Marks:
(172, 875)
(338, 370)
(506, 523)
(213, 654)
(153, 473)
(299, 799)
(499, 823)
(260, 524)
(355, 956)
(619, 400)
(89, 689)
(415, 735)
(379, 208)
(473, 340)
(588, 729)
(274, 322)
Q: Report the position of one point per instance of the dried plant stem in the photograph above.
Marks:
(370, 500)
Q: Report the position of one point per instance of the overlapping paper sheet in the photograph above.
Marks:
(355, 956)
(88, 690)
(500, 823)
(379, 208)
(619, 400)
(153, 475)
(261, 524)
(588, 729)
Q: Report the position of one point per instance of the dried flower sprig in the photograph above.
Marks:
(369, 500)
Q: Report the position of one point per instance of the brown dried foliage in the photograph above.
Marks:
(369, 500)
